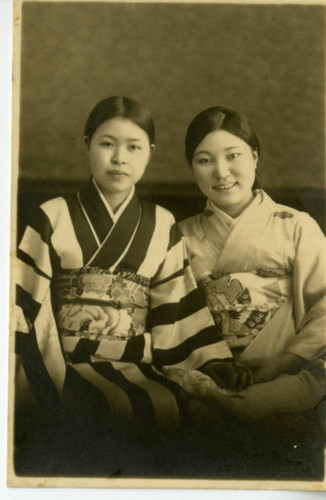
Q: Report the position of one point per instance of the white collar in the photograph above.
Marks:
(227, 219)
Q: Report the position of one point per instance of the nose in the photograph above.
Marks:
(119, 157)
(221, 168)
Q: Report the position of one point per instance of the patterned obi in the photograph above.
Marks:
(243, 303)
(93, 303)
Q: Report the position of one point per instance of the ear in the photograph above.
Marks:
(255, 157)
(86, 141)
(151, 151)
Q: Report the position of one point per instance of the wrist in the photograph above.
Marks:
(290, 362)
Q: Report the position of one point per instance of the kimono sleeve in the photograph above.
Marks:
(309, 290)
(184, 334)
(39, 360)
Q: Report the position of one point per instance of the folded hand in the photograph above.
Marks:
(229, 375)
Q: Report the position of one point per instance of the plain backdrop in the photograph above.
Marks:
(178, 59)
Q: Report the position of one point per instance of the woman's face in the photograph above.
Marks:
(118, 154)
(224, 168)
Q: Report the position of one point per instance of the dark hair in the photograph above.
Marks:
(124, 107)
(219, 118)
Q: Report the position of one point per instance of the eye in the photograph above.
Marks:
(107, 144)
(203, 160)
(134, 147)
(233, 156)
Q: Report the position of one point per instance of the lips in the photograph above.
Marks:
(225, 186)
(117, 172)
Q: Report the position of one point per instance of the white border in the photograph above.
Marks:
(71, 493)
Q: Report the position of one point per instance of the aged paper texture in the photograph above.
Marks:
(177, 58)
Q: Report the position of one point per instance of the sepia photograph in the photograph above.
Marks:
(168, 252)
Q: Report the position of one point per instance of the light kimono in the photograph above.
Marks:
(263, 275)
(111, 297)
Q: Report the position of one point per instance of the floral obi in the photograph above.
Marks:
(243, 303)
(94, 303)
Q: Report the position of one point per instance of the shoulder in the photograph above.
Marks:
(43, 218)
(298, 222)
(56, 211)
(287, 213)
(276, 210)
(54, 206)
(162, 215)
(44, 210)
(190, 226)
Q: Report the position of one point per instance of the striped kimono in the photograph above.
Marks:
(109, 300)
(263, 276)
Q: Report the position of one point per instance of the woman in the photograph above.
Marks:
(104, 291)
(261, 267)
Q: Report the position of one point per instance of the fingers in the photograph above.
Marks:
(236, 380)
(251, 377)
(245, 378)
(242, 380)
(231, 379)
(231, 376)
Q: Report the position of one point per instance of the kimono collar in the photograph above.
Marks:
(114, 215)
(217, 225)
(105, 236)
(212, 209)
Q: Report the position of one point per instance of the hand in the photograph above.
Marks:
(229, 375)
(266, 369)
(263, 369)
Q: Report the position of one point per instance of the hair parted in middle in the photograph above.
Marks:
(220, 118)
(124, 107)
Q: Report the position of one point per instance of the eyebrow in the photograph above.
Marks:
(208, 152)
(114, 138)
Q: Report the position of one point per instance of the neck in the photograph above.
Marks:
(236, 210)
(115, 200)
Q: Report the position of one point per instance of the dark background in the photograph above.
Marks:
(178, 59)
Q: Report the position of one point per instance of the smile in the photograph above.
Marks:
(228, 185)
